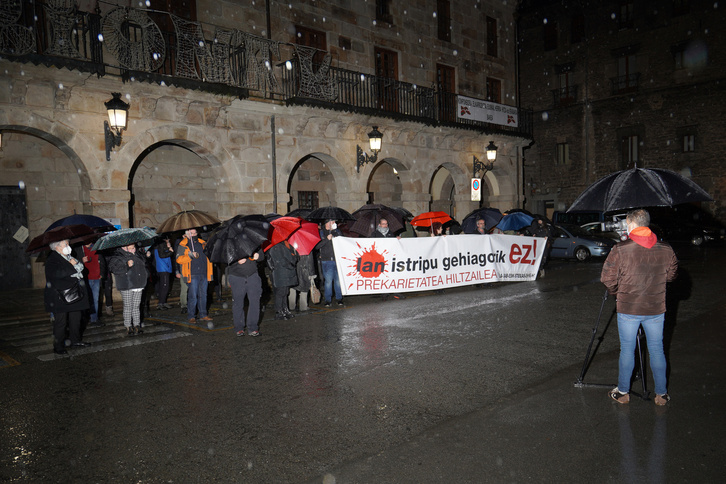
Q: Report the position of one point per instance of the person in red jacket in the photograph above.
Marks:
(636, 272)
(93, 273)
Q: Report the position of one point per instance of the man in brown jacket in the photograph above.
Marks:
(636, 272)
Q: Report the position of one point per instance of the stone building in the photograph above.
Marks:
(617, 84)
(252, 107)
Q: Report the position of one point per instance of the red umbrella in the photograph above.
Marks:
(305, 238)
(282, 228)
(428, 218)
(72, 233)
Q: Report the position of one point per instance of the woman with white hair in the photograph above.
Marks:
(64, 274)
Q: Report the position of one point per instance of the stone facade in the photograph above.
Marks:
(573, 65)
(190, 149)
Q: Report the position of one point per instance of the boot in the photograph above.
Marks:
(303, 301)
(291, 298)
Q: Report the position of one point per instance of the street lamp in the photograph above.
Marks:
(117, 119)
(491, 157)
(374, 139)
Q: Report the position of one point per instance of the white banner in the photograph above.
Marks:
(487, 112)
(371, 266)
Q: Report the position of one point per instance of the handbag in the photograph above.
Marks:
(71, 295)
(314, 291)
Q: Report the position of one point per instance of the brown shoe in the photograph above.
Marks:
(192, 320)
(661, 400)
(205, 318)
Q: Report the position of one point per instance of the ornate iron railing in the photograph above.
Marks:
(155, 46)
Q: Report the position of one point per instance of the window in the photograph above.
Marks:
(308, 200)
(627, 79)
(312, 38)
(494, 90)
(566, 92)
(383, 11)
(550, 35)
(492, 42)
(689, 143)
(443, 16)
(577, 28)
(630, 150)
(681, 7)
(679, 55)
(563, 154)
(386, 69)
(446, 85)
(625, 19)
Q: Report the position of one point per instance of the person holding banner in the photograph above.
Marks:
(327, 260)
(382, 231)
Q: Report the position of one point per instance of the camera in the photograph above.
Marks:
(617, 225)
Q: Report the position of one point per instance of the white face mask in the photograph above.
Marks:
(67, 250)
(333, 226)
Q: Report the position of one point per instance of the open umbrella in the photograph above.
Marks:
(368, 216)
(427, 218)
(98, 224)
(282, 228)
(323, 214)
(124, 237)
(491, 217)
(305, 238)
(187, 219)
(299, 212)
(405, 214)
(237, 238)
(639, 187)
(72, 233)
(514, 221)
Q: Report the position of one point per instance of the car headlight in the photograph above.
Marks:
(601, 244)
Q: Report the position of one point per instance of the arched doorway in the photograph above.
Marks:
(311, 184)
(442, 191)
(169, 177)
(384, 185)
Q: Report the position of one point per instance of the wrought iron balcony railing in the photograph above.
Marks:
(154, 46)
(565, 96)
(625, 84)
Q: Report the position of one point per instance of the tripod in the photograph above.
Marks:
(579, 383)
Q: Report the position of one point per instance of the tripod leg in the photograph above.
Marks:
(592, 340)
(641, 362)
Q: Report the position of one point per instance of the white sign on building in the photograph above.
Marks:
(487, 112)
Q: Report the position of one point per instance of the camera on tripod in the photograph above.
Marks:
(617, 224)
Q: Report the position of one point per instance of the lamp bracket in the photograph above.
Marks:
(481, 166)
(363, 158)
(111, 139)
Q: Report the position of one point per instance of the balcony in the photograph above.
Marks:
(625, 84)
(150, 46)
(565, 96)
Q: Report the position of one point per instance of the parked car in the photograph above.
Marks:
(573, 242)
(694, 233)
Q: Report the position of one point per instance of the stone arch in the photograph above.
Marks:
(344, 193)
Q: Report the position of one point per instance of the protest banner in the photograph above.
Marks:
(372, 266)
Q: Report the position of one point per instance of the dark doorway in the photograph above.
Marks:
(14, 262)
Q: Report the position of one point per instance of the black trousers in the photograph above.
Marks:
(281, 299)
(72, 320)
(163, 286)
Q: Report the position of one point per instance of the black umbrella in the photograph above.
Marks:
(324, 214)
(404, 213)
(237, 238)
(491, 217)
(639, 187)
(98, 224)
(299, 212)
(72, 233)
(369, 215)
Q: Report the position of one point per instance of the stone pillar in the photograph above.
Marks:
(111, 203)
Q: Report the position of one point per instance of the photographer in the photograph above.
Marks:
(636, 272)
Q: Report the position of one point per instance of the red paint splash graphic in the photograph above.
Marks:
(368, 263)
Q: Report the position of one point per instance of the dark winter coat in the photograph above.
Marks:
(247, 269)
(637, 276)
(127, 278)
(282, 259)
(58, 276)
(305, 269)
(325, 246)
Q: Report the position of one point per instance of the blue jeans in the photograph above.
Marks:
(94, 285)
(197, 296)
(628, 329)
(330, 278)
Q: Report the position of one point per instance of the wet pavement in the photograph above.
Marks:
(473, 385)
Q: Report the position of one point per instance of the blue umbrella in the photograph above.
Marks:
(98, 224)
(514, 221)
